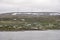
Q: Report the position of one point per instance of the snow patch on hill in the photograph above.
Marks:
(14, 13)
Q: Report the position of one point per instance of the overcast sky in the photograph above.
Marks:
(29, 5)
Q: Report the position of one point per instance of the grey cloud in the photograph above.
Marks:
(29, 5)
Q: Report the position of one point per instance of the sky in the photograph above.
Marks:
(29, 6)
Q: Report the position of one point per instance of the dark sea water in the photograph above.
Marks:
(31, 35)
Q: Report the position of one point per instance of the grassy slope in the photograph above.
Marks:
(30, 23)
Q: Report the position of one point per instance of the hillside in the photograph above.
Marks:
(16, 21)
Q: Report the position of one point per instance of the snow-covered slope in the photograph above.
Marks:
(33, 14)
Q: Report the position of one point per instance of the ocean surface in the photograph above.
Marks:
(30, 35)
